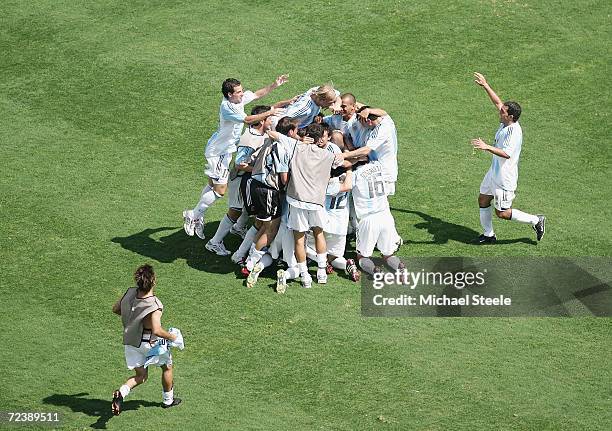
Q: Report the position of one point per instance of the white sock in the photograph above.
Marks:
(242, 220)
(321, 264)
(168, 397)
(302, 268)
(367, 265)
(339, 263)
(486, 221)
(254, 257)
(223, 229)
(125, 390)
(292, 273)
(209, 196)
(393, 262)
(521, 217)
(247, 242)
(266, 260)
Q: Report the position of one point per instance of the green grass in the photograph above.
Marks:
(106, 108)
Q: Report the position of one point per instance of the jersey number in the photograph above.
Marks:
(376, 188)
(338, 202)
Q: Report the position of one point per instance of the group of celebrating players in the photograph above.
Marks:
(305, 178)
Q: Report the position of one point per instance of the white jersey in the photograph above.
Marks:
(336, 122)
(336, 203)
(383, 142)
(369, 194)
(358, 133)
(505, 171)
(304, 109)
(231, 120)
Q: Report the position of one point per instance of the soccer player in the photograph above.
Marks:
(501, 179)
(379, 143)
(308, 105)
(261, 193)
(376, 226)
(310, 168)
(222, 144)
(341, 122)
(251, 141)
(141, 312)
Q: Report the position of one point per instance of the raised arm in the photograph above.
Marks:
(480, 80)
(262, 92)
(252, 119)
(283, 103)
(157, 329)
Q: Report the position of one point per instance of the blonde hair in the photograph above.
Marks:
(325, 92)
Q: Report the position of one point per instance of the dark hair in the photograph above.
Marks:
(259, 109)
(325, 127)
(371, 117)
(514, 109)
(285, 125)
(228, 86)
(349, 96)
(145, 278)
(315, 131)
(336, 172)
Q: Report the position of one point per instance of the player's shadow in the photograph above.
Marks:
(94, 407)
(443, 231)
(177, 245)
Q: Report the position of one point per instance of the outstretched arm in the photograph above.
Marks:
(251, 119)
(480, 80)
(262, 92)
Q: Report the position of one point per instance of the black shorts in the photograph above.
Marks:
(260, 201)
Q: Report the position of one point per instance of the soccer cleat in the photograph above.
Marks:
(483, 239)
(237, 231)
(188, 222)
(404, 272)
(117, 403)
(352, 271)
(198, 227)
(281, 282)
(237, 259)
(321, 277)
(329, 269)
(244, 271)
(254, 275)
(175, 402)
(539, 227)
(218, 248)
(306, 281)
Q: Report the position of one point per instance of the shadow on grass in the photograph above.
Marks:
(93, 407)
(443, 231)
(177, 245)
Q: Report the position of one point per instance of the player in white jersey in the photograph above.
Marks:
(222, 144)
(236, 218)
(376, 226)
(501, 180)
(377, 142)
(306, 107)
(340, 123)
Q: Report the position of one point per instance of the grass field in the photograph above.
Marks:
(106, 107)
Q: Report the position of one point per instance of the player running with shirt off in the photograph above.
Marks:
(222, 144)
(500, 181)
(140, 312)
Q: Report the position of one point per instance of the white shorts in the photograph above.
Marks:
(234, 198)
(217, 168)
(301, 220)
(136, 356)
(335, 243)
(390, 188)
(377, 230)
(503, 198)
